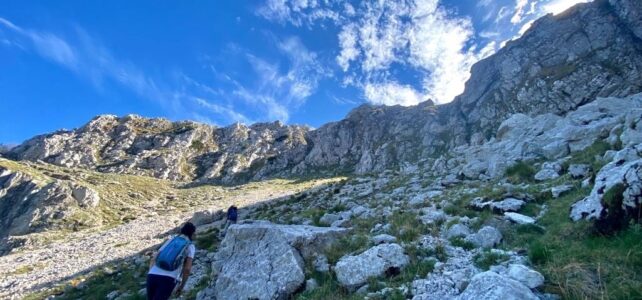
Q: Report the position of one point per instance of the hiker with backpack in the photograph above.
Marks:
(171, 265)
(232, 217)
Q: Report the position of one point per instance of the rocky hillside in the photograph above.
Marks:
(593, 50)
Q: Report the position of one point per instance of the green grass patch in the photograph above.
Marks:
(207, 240)
(576, 262)
(520, 172)
(407, 226)
(353, 244)
(329, 288)
(489, 258)
(588, 155)
(315, 215)
(98, 284)
(461, 242)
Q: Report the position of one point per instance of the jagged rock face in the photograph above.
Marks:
(562, 62)
(559, 63)
(175, 151)
(28, 205)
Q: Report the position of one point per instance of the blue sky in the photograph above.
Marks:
(220, 62)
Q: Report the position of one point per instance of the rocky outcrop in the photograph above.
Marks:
(30, 205)
(265, 260)
(176, 151)
(617, 192)
(548, 136)
(562, 62)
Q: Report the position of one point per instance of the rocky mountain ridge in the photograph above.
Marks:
(562, 62)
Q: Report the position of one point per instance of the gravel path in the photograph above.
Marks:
(29, 271)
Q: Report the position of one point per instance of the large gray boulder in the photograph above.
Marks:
(354, 271)
(492, 286)
(625, 170)
(266, 261)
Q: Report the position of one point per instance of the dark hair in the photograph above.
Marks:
(188, 229)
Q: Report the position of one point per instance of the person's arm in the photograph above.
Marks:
(187, 269)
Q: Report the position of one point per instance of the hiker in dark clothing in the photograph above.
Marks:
(171, 265)
(232, 217)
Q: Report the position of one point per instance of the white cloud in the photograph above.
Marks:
(348, 45)
(48, 45)
(557, 6)
(419, 34)
(298, 12)
(218, 109)
(91, 61)
(502, 13)
(520, 6)
(272, 87)
(484, 3)
(391, 93)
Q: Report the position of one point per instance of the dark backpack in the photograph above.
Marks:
(171, 257)
(232, 214)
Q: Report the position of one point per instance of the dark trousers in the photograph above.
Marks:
(159, 287)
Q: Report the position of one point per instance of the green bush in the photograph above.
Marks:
(520, 172)
(489, 258)
(461, 242)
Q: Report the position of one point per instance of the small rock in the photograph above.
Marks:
(549, 170)
(328, 219)
(578, 171)
(557, 191)
(362, 290)
(383, 239)
(508, 204)
(321, 263)
(311, 285)
(457, 230)
(525, 275)
(519, 218)
(112, 295)
(486, 237)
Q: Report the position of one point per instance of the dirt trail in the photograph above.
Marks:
(32, 270)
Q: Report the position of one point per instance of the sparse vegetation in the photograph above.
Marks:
(520, 172)
(489, 258)
(577, 263)
(406, 226)
(460, 242)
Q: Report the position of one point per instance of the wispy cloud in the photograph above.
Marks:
(300, 12)
(272, 87)
(86, 57)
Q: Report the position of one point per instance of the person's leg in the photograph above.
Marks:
(165, 287)
(151, 287)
